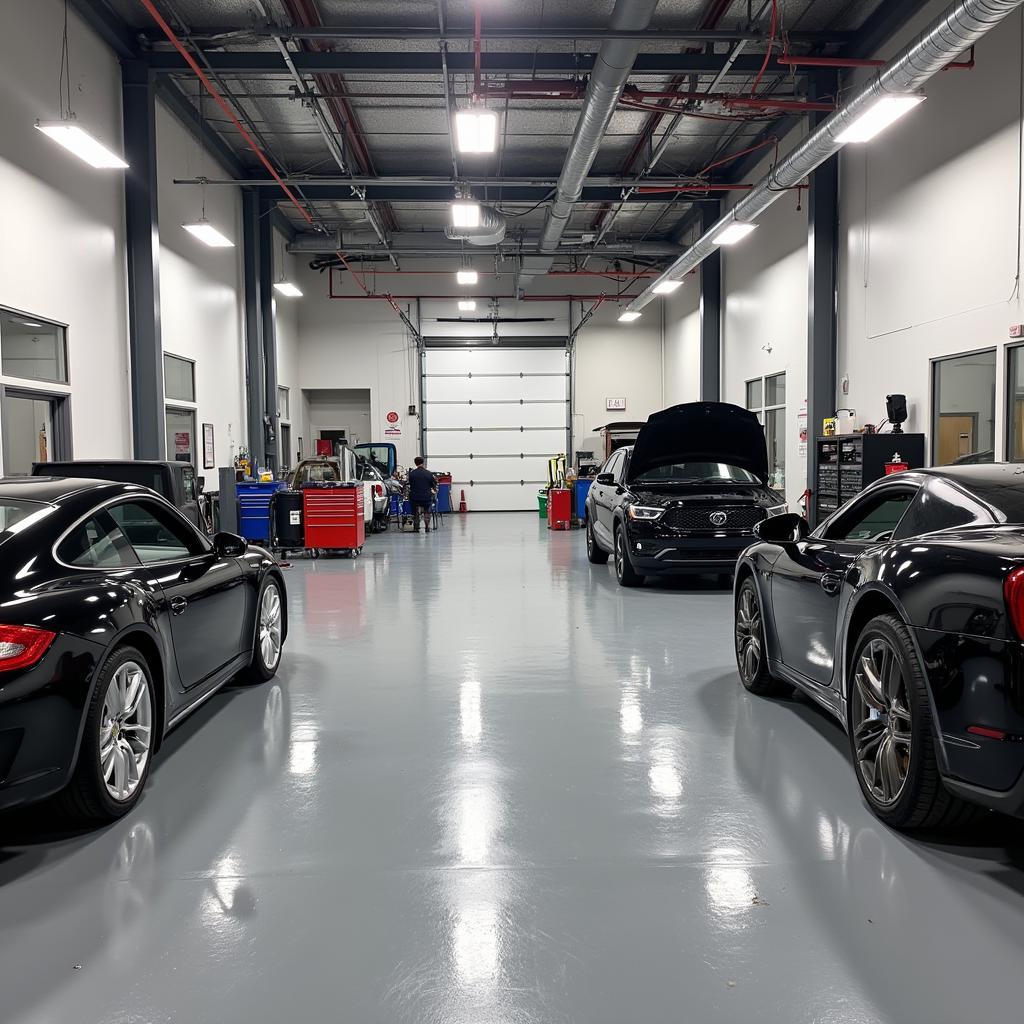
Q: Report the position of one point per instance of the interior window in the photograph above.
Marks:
(872, 519)
(155, 533)
(940, 506)
(96, 544)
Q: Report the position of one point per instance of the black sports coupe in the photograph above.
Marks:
(903, 615)
(117, 619)
(685, 497)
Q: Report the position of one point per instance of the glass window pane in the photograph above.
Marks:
(181, 435)
(775, 389)
(97, 543)
(964, 403)
(179, 379)
(1015, 414)
(32, 348)
(872, 519)
(155, 533)
(282, 403)
(28, 433)
(775, 435)
(754, 394)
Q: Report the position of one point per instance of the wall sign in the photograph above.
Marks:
(208, 456)
(615, 404)
(392, 417)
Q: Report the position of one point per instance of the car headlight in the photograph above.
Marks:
(778, 510)
(644, 512)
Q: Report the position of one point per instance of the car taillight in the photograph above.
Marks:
(378, 489)
(1013, 595)
(22, 646)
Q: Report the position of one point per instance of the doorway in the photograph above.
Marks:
(957, 435)
(36, 428)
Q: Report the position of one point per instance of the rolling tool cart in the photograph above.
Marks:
(333, 520)
(287, 533)
(254, 509)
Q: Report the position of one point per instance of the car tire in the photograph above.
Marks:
(749, 643)
(595, 555)
(624, 571)
(117, 742)
(268, 641)
(892, 739)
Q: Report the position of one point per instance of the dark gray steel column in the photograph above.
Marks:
(266, 271)
(143, 245)
(711, 314)
(255, 395)
(822, 332)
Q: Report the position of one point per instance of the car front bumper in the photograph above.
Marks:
(41, 715)
(653, 554)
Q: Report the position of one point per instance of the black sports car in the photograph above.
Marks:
(118, 618)
(685, 497)
(903, 615)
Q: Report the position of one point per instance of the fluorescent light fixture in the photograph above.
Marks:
(627, 316)
(209, 235)
(666, 287)
(75, 139)
(476, 130)
(878, 117)
(467, 276)
(465, 215)
(736, 231)
(467, 305)
(287, 288)
(28, 323)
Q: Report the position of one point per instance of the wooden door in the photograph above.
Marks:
(956, 437)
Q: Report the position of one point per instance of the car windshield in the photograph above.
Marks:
(16, 516)
(697, 472)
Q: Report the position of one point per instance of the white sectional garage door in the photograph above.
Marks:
(492, 418)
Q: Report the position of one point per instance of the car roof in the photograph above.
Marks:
(979, 473)
(55, 488)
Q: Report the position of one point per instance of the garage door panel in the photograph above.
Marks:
(505, 414)
(500, 497)
(494, 389)
(489, 470)
(517, 360)
(495, 442)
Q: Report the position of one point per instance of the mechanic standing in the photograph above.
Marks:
(422, 490)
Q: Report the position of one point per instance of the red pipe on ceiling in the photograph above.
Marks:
(787, 60)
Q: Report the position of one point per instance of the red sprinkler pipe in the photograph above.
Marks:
(728, 100)
(222, 103)
(862, 62)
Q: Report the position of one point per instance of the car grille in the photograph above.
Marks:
(738, 518)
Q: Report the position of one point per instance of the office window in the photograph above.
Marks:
(181, 435)
(283, 408)
(33, 349)
(1015, 404)
(964, 408)
(766, 396)
(179, 378)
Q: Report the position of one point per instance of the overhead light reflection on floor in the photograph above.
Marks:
(475, 941)
(631, 718)
(469, 711)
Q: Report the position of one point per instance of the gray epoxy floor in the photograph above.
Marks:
(490, 786)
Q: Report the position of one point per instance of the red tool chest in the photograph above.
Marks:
(559, 508)
(333, 517)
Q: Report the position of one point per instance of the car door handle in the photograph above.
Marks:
(831, 583)
(178, 605)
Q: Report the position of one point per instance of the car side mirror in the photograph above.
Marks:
(229, 545)
(605, 479)
(789, 528)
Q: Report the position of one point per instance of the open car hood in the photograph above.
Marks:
(701, 432)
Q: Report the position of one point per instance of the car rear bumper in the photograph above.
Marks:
(41, 714)
(977, 687)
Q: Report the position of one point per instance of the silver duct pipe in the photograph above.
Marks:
(611, 69)
(490, 230)
(954, 31)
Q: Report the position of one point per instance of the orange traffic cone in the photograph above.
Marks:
(462, 502)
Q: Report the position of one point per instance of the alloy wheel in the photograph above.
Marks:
(126, 731)
(620, 554)
(270, 626)
(590, 539)
(881, 722)
(748, 634)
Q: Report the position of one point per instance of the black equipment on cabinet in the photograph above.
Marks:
(847, 463)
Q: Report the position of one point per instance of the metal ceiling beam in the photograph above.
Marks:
(342, 193)
(886, 20)
(391, 62)
(107, 24)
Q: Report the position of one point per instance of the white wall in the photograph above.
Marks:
(345, 409)
(930, 234)
(682, 343)
(201, 289)
(62, 243)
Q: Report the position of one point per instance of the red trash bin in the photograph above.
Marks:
(559, 508)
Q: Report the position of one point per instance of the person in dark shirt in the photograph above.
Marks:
(422, 488)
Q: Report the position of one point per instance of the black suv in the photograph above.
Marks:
(685, 497)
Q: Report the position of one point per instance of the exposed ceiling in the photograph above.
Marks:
(384, 100)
